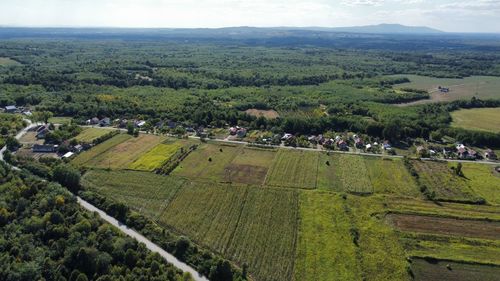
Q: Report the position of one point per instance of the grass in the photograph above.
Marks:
(342, 172)
(325, 249)
(198, 165)
(88, 135)
(60, 120)
(483, 87)
(389, 176)
(156, 157)
(247, 225)
(144, 192)
(439, 178)
(483, 182)
(124, 153)
(294, 168)
(483, 119)
(86, 157)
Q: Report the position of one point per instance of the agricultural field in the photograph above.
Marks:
(250, 166)
(325, 248)
(60, 120)
(484, 181)
(342, 172)
(445, 226)
(390, 176)
(482, 119)
(8, 62)
(424, 270)
(248, 225)
(208, 161)
(294, 168)
(156, 157)
(439, 178)
(88, 135)
(483, 87)
(125, 153)
(87, 158)
(146, 193)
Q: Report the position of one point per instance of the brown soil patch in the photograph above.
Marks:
(246, 174)
(446, 226)
(452, 271)
(269, 114)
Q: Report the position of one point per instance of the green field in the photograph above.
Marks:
(8, 62)
(342, 172)
(87, 158)
(208, 161)
(122, 154)
(389, 176)
(248, 225)
(483, 119)
(250, 166)
(483, 180)
(294, 168)
(60, 120)
(144, 192)
(452, 271)
(156, 157)
(325, 249)
(483, 87)
(88, 135)
(439, 178)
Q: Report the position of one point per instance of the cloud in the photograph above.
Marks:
(362, 2)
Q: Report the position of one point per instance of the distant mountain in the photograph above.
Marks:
(383, 29)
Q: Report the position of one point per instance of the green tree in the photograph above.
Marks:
(67, 176)
(12, 144)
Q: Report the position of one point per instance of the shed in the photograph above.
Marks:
(10, 109)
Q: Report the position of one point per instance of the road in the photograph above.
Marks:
(137, 236)
(319, 149)
(130, 232)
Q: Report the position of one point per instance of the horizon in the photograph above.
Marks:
(449, 16)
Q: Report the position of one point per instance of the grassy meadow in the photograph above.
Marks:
(88, 158)
(156, 157)
(88, 135)
(483, 119)
(294, 168)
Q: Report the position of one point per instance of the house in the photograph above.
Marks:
(123, 123)
(466, 154)
(140, 123)
(241, 133)
(93, 121)
(421, 150)
(10, 109)
(42, 131)
(104, 122)
(78, 148)
(386, 145)
(286, 136)
(172, 124)
(342, 145)
(44, 148)
(27, 113)
(233, 130)
(368, 147)
(490, 154)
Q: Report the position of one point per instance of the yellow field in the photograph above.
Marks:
(483, 119)
(156, 157)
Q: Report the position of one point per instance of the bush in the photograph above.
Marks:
(67, 176)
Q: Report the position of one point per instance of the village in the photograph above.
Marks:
(38, 145)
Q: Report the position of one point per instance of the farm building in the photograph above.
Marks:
(105, 122)
(44, 148)
(68, 155)
(42, 131)
(10, 109)
(342, 145)
(387, 145)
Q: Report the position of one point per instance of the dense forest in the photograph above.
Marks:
(199, 80)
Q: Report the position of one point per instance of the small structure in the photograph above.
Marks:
(387, 145)
(421, 150)
(140, 123)
(10, 109)
(342, 145)
(286, 137)
(78, 148)
(490, 154)
(44, 148)
(68, 155)
(242, 132)
(93, 121)
(443, 90)
(368, 147)
(42, 131)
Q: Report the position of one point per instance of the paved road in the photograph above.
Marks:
(150, 245)
(130, 232)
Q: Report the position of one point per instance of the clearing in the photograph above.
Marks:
(483, 87)
(8, 62)
(482, 119)
(269, 114)
(86, 157)
(60, 120)
(294, 168)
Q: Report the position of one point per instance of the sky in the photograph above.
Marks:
(447, 15)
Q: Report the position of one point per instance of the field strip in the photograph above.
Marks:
(242, 207)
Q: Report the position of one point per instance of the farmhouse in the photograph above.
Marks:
(342, 145)
(105, 122)
(10, 109)
(44, 148)
(387, 145)
(42, 131)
